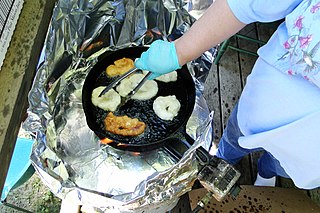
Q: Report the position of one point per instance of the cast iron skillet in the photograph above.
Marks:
(157, 131)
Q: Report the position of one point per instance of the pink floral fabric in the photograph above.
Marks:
(301, 55)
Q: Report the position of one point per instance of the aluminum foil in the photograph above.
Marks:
(67, 154)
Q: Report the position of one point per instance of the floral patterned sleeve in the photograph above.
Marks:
(248, 11)
(300, 53)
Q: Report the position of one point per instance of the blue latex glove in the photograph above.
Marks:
(160, 58)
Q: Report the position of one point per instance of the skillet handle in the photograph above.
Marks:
(181, 142)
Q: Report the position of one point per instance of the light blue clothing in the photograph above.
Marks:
(279, 109)
(294, 47)
(229, 150)
(249, 11)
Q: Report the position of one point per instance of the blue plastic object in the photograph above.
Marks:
(20, 166)
(160, 58)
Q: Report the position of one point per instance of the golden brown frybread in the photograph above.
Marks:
(120, 67)
(124, 125)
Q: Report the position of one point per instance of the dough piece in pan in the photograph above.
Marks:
(168, 77)
(120, 67)
(109, 101)
(124, 125)
(166, 107)
(148, 90)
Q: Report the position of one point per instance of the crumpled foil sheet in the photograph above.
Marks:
(67, 154)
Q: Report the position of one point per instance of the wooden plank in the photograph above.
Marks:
(230, 85)
(233, 70)
(315, 195)
(222, 90)
(258, 199)
(230, 90)
(246, 62)
(212, 96)
(265, 30)
(17, 73)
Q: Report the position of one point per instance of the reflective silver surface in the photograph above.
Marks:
(67, 154)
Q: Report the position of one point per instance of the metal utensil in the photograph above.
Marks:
(120, 78)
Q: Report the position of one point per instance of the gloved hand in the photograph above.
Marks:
(160, 58)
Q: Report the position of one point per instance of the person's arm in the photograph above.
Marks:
(216, 25)
(221, 20)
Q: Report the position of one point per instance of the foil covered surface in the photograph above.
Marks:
(67, 154)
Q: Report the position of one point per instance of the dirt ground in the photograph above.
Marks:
(33, 196)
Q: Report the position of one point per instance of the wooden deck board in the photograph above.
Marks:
(246, 62)
(212, 93)
(222, 91)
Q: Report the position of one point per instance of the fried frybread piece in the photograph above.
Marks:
(108, 102)
(124, 125)
(148, 90)
(120, 67)
(166, 107)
